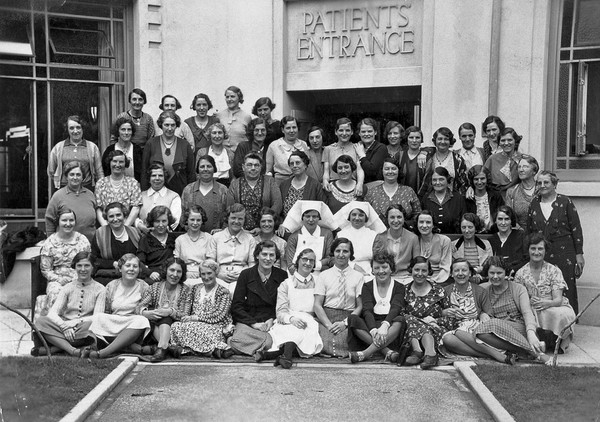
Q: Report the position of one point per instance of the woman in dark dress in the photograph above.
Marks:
(508, 242)
(158, 245)
(556, 218)
(201, 104)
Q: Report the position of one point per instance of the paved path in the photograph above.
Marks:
(251, 392)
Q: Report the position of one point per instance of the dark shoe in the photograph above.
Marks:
(429, 362)
(259, 356)
(35, 352)
(159, 356)
(284, 362)
(415, 358)
(227, 353)
(217, 354)
(356, 357)
(149, 350)
(510, 358)
(175, 351)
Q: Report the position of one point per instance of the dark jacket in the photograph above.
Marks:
(137, 161)
(183, 164)
(446, 216)
(372, 163)
(253, 300)
(513, 251)
(494, 198)
(368, 300)
(313, 191)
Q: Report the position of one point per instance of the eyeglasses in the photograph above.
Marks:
(307, 260)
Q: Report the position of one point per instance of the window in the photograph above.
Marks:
(578, 107)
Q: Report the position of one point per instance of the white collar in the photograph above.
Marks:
(162, 192)
(304, 231)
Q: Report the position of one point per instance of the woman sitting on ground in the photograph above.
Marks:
(164, 303)
(545, 285)
(296, 328)
(425, 302)
(158, 245)
(381, 326)
(337, 296)
(111, 242)
(191, 247)
(472, 248)
(254, 300)
(67, 324)
(512, 328)
(398, 241)
(120, 326)
(202, 331)
(469, 305)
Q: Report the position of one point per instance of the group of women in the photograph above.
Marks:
(179, 227)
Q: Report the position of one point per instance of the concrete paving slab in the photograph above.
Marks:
(259, 392)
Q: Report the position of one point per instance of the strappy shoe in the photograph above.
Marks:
(510, 358)
(356, 357)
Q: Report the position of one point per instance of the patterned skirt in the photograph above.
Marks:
(513, 332)
(335, 344)
(198, 336)
(416, 328)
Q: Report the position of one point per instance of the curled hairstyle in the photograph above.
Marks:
(254, 156)
(346, 159)
(162, 102)
(445, 132)
(441, 171)
(125, 258)
(472, 218)
(384, 257)
(139, 92)
(120, 122)
(513, 133)
(395, 162)
(112, 205)
(252, 125)
(302, 155)
(492, 119)
(210, 264)
(286, 120)
(420, 260)
(157, 212)
(272, 213)
(509, 212)
(532, 162)
(237, 92)
(74, 118)
(201, 95)
(80, 256)
(418, 216)
(398, 207)
(266, 244)
(534, 239)
(337, 242)
(115, 153)
(208, 130)
(208, 158)
(155, 166)
(495, 261)
(467, 126)
(367, 121)
(261, 102)
(462, 261)
(412, 129)
(195, 209)
(391, 125)
(475, 171)
(553, 177)
(168, 115)
(170, 261)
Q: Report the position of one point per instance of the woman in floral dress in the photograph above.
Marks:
(203, 331)
(424, 304)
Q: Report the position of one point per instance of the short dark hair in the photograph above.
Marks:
(398, 207)
(462, 261)
(472, 218)
(367, 121)
(168, 115)
(201, 95)
(510, 131)
(139, 92)
(445, 132)
(266, 244)
(196, 209)
(116, 153)
(302, 253)
(70, 166)
(170, 261)
(81, 256)
(252, 125)
(120, 122)
(342, 121)
(508, 211)
(391, 125)
(254, 156)
(346, 159)
(338, 241)
(115, 204)
(420, 260)
(156, 166)
(475, 171)
(495, 261)
(261, 102)
(535, 238)
(286, 120)
(553, 177)
(62, 211)
(442, 171)
(208, 158)
(302, 155)
(384, 257)
(492, 119)
(271, 212)
(162, 101)
(467, 126)
(156, 212)
(412, 129)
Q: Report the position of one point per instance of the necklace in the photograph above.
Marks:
(120, 237)
(196, 239)
(116, 183)
(440, 161)
(136, 120)
(167, 146)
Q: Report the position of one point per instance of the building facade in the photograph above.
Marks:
(534, 63)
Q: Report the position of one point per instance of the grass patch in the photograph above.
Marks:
(540, 393)
(31, 389)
